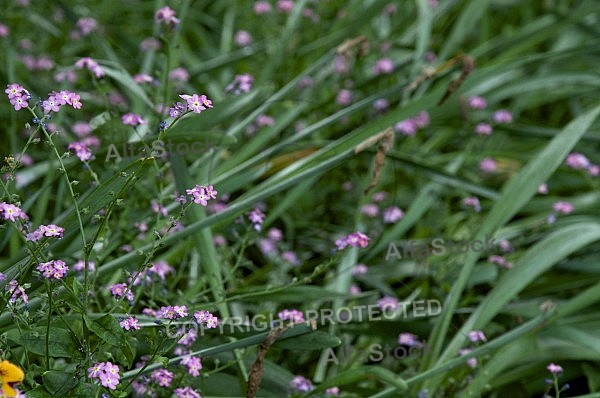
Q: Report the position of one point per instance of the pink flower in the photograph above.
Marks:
(553, 368)
(359, 269)
(179, 74)
(381, 105)
(344, 97)
(302, 384)
(163, 377)
(388, 302)
(383, 66)
(264, 120)
(487, 165)
(502, 116)
(543, 189)
(285, 6)
(167, 16)
(422, 119)
(130, 323)
(354, 239)
(82, 152)
(477, 335)
(472, 362)
(295, 316)
(392, 215)
(11, 212)
(408, 339)
(197, 103)
(483, 129)
(577, 161)
(86, 25)
(290, 257)
(262, 7)
(240, 84)
(53, 269)
(563, 207)
(132, 119)
(472, 202)
(370, 209)
(406, 127)
(186, 392)
(476, 102)
(4, 31)
(242, 38)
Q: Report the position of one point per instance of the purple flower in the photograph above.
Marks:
(359, 269)
(242, 38)
(483, 129)
(577, 161)
(553, 368)
(167, 16)
(502, 116)
(82, 152)
(476, 102)
(392, 215)
(487, 165)
(543, 189)
(11, 212)
(563, 207)
(240, 84)
(383, 66)
(130, 323)
(370, 209)
(406, 127)
(262, 7)
(302, 384)
(408, 339)
(381, 105)
(344, 97)
(53, 269)
(285, 6)
(477, 335)
(132, 119)
(472, 202)
(295, 316)
(186, 392)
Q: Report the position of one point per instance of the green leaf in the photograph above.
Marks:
(59, 383)
(126, 80)
(313, 341)
(60, 343)
(107, 328)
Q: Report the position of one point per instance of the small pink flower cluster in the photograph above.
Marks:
(79, 266)
(16, 291)
(295, 316)
(354, 239)
(256, 217)
(167, 16)
(162, 376)
(411, 125)
(90, 65)
(130, 323)
(81, 150)
(17, 96)
(383, 66)
(186, 392)
(197, 103)
(57, 99)
(145, 277)
(578, 161)
(202, 194)
(193, 364)
(11, 212)
(132, 119)
(107, 373)
(408, 339)
(302, 384)
(477, 335)
(206, 317)
(501, 261)
(172, 312)
(120, 289)
(473, 202)
(388, 302)
(50, 230)
(240, 84)
(554, 368)
(53, 269)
